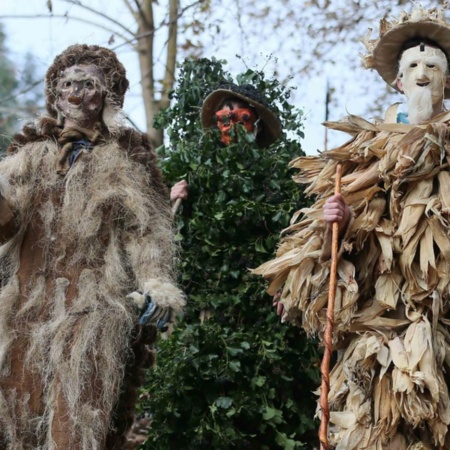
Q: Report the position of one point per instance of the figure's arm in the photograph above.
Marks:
(151, 257)
(149, 240)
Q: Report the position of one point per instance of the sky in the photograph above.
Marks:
(46, 37)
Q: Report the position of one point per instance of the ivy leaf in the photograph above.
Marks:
(259, 381)
(235, 366)
(286, 443)
(224, 402)
(234, 351)
(273, 415)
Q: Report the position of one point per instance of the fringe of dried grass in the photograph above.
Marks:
(78, 347)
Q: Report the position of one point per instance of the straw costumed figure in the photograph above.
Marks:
(390, 384)
(84, 221)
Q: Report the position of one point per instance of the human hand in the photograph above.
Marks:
(150, 312)
(336, 210)
(179, 190)
(277, 304)
(159, 302)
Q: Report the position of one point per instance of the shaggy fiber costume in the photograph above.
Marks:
(389, 388)
(75, 243)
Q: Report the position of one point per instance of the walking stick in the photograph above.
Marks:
(175, 206)
(328, 334)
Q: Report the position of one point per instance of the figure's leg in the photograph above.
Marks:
(89, 354)
(62, 426)
(81, 423)
(142, 358)
(74, 432)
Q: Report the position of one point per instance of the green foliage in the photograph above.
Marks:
(239, 378)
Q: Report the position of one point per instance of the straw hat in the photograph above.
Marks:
(271, 125)
(383, 53)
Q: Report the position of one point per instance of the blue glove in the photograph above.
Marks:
(155, 314)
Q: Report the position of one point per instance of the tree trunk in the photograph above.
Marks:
(146, 29)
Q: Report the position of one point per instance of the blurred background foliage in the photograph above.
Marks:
(13, 106)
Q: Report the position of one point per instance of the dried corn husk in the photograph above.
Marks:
(389, 387)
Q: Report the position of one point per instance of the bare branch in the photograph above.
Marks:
(133, 123)
(140, 13)
(67, 17)
(99, 13)
(23, 91)
(19, 109)
(130, 8)
(163, 24)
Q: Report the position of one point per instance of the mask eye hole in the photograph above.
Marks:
(412, 65)
(431, 66)
(225, 116)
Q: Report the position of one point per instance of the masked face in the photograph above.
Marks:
(232, 113)
(80, 95)
(423, 68)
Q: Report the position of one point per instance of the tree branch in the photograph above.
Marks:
(23, 91)
(130, 8)
(67, 17)
(99, 13)
(137, 37)
(140, 13)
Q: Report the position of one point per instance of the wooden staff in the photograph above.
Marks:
(328, 334)
(175, 206)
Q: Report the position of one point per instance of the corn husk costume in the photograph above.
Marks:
(75, 241)
(390, 384)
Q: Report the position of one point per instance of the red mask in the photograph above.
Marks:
(226, 118)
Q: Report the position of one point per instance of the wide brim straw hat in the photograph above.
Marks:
(383, 53)
(271, 125)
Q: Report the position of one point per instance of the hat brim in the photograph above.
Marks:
(271, 130)
(386, 54)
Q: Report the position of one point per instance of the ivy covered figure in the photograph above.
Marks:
(85, 263)
(235, 378)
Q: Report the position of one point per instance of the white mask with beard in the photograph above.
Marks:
(422, 77)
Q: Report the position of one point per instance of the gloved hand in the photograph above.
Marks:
(150, 313)
(159, 303)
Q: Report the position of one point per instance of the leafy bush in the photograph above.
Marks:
(231, 375)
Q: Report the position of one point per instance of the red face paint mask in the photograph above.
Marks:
(226, 118)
